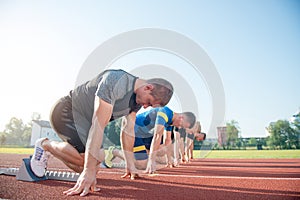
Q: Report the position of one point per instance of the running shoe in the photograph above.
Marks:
(38, 162)
(109, 156)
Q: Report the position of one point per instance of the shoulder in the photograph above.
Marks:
(165, 109)
(117, 74)
(118, 81)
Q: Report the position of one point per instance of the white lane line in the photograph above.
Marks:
(230, 177)
(210, 177)
(204, 177)
(235, 167)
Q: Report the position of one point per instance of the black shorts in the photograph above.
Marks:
(62, 122)
(191, 136)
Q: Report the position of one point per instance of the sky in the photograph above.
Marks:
(254, 46)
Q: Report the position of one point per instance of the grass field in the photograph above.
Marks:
(17, 150)
(246, 154)
(249, 154)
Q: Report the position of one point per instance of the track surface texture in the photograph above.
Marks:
(199, 179)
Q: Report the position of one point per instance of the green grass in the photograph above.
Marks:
(249, 154)
(17, 150)
(245, 154)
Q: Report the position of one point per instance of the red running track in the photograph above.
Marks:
(199, 179)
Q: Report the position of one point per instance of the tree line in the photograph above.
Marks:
(18, 133)
(283, 134)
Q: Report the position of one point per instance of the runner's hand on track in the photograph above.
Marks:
(151, 167)
(87, 181)
(170, 165)
(132, 176)
(131, 173)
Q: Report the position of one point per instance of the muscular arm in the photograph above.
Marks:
(168, 139)
(127, 140)
(101, 117)
(155, 144)
(87, 179)
(158, 132)
(168, 145)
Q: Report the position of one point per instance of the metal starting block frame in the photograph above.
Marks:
(24, 173)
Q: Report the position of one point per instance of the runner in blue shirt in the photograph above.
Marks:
(149, 128)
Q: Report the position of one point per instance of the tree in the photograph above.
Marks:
(240, 143)
(252, 142)
(26, 136)
(18, 133)
(232, 131)
(2, 138)
(14, 131)
(283, 136)
(295, 123)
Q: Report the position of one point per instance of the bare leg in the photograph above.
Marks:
(75, 168)
(165, 154)
(187, 149)
(139, 164)
(63, 151)
(176, 147)
(162, 160)
(191, 150)
(181, 149)
(118, 153)
(162, 150)
(66, 153)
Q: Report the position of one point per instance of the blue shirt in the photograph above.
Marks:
(146, 121)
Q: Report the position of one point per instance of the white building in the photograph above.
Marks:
(40, 129)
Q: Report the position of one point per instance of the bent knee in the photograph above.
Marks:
(141, 164)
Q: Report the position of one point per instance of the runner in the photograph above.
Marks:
(149, 129)
(80, 118)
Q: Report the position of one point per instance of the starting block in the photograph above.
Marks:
(24, 173)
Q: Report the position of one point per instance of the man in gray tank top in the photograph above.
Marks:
(80, 118)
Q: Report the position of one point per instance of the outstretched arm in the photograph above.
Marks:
(155, 144)
(169, 148)
(87, 179)
(127, 142)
